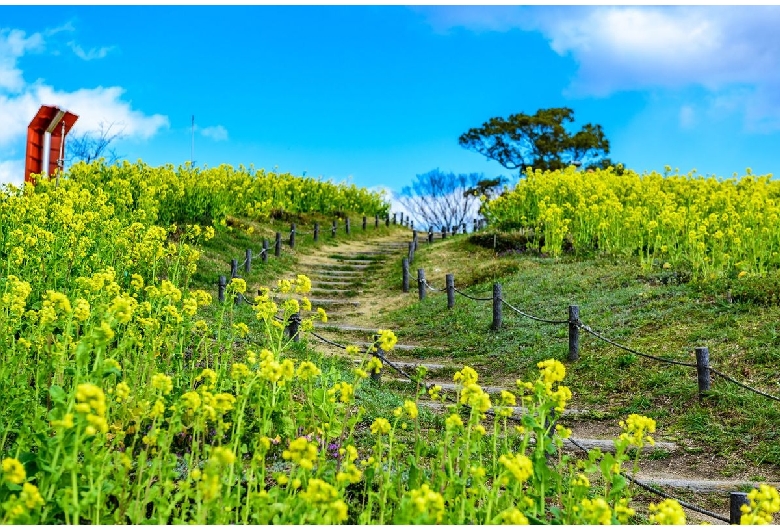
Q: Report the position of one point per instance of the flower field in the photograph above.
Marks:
(128, 396)
(711, 228)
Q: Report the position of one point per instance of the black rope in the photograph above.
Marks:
(727, 378)
(546, 321)
(323, 339)
(660, 492)
(432, 288)
(473, 297)
(631, 350)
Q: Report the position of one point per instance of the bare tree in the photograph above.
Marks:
(437, 199)
(92, 146)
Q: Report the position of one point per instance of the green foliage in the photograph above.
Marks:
(540, 141)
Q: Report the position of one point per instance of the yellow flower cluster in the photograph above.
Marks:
(667, 512)
(513, 516)
(519, 466)
(594, 511)
(91, 401)
(380, 426)
(345, 391)
(429, 502)
(302, 452)
(387, 339)
(325, 498)
(764, 503)
(13, 471)
(634, 429)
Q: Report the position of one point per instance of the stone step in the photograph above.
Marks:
(446, 386)
(411, 365)
(323, 302)
(345, 267)
(701, 485)
(516, 411)
(326, 282)
(342, 327)
(400, 347)
(336, 274)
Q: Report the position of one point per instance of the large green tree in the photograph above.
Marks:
(540, 141)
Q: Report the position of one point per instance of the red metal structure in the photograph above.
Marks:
(40, 156)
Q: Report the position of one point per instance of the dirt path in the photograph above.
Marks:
(345, 283)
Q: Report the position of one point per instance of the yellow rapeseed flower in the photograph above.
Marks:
(13, 471)
(667, 512)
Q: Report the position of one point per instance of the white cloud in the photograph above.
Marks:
(13, 45)
(12, 172)
(94, 53)
(19, 100)
(730, 51)
(217, 133)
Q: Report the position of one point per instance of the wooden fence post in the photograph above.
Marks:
(474, 226)
(346, 225)
(736, 500)
(387, 220)
(278, 245)
(411, 225)
(574, 332)
(221, 290)
(703, 370)
(405, 272)
(463, 228)
(414, 238)
(364, 223)
(497, 307)
(395, 219)
(411, 251)
(376, 220)
(265, 250)
(316, 231)
(421, 283)
(292, 235)
(233, 268)
(444, 232)
(333, 229)
(292, 327)
(430, 234)
(248, 261)
(450, 282)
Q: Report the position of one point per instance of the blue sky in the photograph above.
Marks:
(377, 94)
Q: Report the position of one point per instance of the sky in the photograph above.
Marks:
(374, 95)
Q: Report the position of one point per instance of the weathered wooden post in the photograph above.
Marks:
(233, 268)
(346, 225)
(430, 234)
(387, 220)
(414, 238)
(736, 500)
(444, 232)
(450, 282)
(292, 327)
(376, 220)
(221, 290)
(405, 281)
(411, 225)
(454, 230)
(364, 223)
(497, 307)
(333, 229)
(265, 250)
(421, 283)
(474, 226)
(703, 370)
(292, 235)
(463, 228)
(411, 251)
(316, 231)
(574, 332)
(395, 222)
(248, 261)
(278, 245)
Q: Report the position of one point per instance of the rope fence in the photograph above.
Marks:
(736, 498)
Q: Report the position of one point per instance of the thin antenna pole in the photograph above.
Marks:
(192, 148)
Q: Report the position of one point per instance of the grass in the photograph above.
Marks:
(662, 318)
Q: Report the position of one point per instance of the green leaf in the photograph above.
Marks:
(57, 394)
